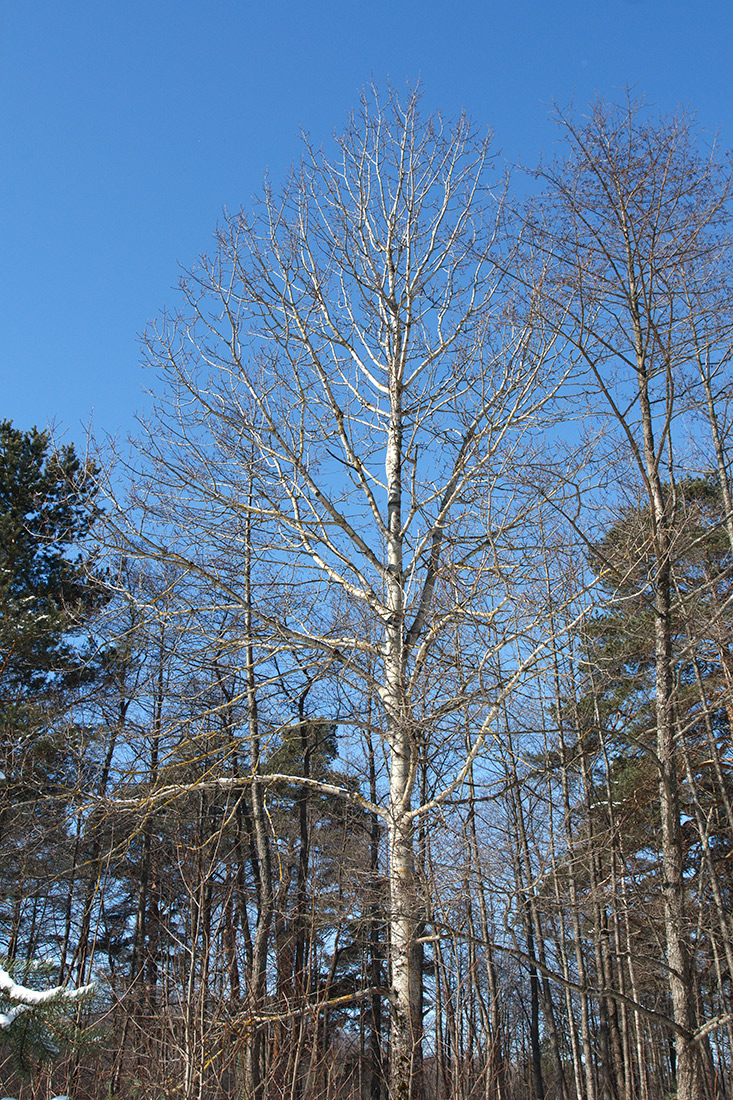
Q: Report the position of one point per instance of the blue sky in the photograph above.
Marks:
(127, 125)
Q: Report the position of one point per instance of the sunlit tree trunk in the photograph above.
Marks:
(633, 218)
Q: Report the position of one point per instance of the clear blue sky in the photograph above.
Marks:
(127, 125)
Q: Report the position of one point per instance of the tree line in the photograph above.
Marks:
(366, 725)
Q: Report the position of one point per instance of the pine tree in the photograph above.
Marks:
(48, 588)
(49, 592)
(618, 709)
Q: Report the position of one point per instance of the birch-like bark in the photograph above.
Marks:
(359, 339)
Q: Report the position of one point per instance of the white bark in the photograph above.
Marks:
(358, 337)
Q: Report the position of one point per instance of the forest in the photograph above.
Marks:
(365, 722)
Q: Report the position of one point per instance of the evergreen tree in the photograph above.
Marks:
(620, 639)
(617, 709)
(49, 591)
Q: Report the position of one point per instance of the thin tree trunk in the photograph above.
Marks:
(257, 992)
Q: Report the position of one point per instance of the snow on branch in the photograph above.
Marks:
(26, 999)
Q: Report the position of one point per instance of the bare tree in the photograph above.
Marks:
(630, 218)
(353, 381)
